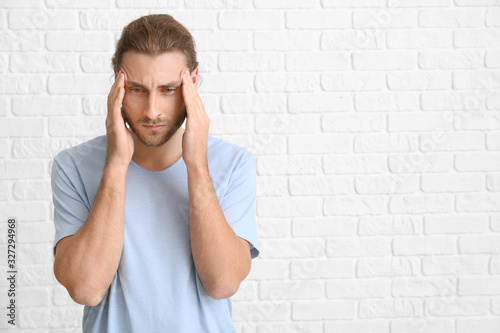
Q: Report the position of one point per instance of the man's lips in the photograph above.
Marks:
(154, 127)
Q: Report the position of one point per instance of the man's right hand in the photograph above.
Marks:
(120, 144)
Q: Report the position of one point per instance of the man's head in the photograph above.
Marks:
(153, 51)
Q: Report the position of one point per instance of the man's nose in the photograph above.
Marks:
(153, 109)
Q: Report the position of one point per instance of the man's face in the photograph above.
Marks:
(153, 104)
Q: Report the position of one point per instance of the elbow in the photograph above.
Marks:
(223, 290)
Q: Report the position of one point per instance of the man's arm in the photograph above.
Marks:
(86, 262)
(221, 258)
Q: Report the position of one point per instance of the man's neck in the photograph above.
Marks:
(158, 158)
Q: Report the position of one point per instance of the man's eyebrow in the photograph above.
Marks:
(170, 84)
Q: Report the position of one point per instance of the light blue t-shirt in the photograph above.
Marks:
(156, 287)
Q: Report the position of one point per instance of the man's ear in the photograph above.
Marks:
(194, 75)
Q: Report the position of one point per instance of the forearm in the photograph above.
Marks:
(217, 250)
(87, 264)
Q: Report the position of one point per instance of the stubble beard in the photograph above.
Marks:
(155, 138)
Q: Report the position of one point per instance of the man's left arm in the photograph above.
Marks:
(222, 259)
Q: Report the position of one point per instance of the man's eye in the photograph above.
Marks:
(136, 89)
(169, 90)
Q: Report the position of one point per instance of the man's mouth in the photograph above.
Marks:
(154, 127)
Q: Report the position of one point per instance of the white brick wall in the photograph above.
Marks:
(376, 128)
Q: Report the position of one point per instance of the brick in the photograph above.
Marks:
(365, 163)
(78, 41)
(419, 3)
(38, 253)
(469, 3)
(418, 81)
(450, 305)
(42, 63)
(479, 244)
(331, 102)
(45, 106)
(483, 286)
(456, 59)
(42, 148)
(250, 20)
(450, 141)
(419, 39)
(466, 101)
(453, 183)
(351, 40)
(449, 224)
(272, 186)
(35, 275)
(21, 84)
(492, 59)
(285, 40)
(32, 190)
(455, 265)
(476, 38)
(416, 204)
(195, 20)
(286, 82)
(231, 124)
(79, 84)
(494, 266)
(385, 184)
(318, 19)
(350, 3)
(42, 19)
(95, 63)
(3, 64)
(423, 245)
(261, 144)
(482, 81)
(222, 40)
(292, 248)
(250, 62)
(34, 318)
(317, 61)
(171, 4)
(4, 105)
(354, 205)
(323, 310)
(274, 227)
(390, 308)
(27, 211)
(258, 103)
(320, 144)
(76, 126)
(225, 4)
(36, 232)
(480, 202)
(485, 325)
(79, 3)
(383, 18)
(379, 143)
(288, 165)
(306, 327)
(283, 4)
(449, 18)
(226, 82)
(348, 122)
(106, 20)
(321, 185)
(290, 290)
(386, 101)
(269, 270)
(387, 267)
(357, 288)
(495, 305)
(287, 124)
(419, 121)
(5, 189)
(26, 40)
(311, 227)
(492, 101)
(358, 326)
(493, 182)
(288, 206)
(321, 268)
(20, 127)
(357, 247)
(384, 60)
(34, 297)
(422, 287)
(95, 105)
(361, 81)
(394, 225)
(22, 4)
(423, 324)
(418, 163)
(495, 222)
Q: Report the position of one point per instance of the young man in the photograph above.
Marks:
(155, 225)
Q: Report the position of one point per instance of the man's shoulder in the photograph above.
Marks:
(81, 154)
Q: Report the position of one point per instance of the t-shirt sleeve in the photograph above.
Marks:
(70, 210)
(238, 202)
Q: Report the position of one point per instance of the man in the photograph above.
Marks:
(155, 224)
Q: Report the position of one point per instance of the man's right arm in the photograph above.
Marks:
(86, 262)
